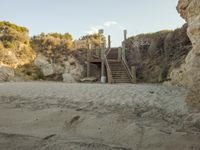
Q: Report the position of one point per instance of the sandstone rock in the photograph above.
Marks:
(70, 70)
(42, 63)
(68, 78)
(6, 74)
(192, 122)
(71, 60)
(193, 96)
(77, 72)
(190, 11)
(15, 49)
(89, 79)
(178, 76)
(155, 55)
(58, 69)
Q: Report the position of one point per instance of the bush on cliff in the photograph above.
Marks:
(15, 49)
(156, 54)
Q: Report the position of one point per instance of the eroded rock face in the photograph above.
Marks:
(155, 55)
(15, 49)
(6, 74)
(42, 63)
(68, 78)
(70, 71)
(190, 11)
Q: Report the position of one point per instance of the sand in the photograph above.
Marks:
(61, 116)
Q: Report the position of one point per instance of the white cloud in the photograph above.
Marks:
(105, 25)
(110, 23)
(94, 29)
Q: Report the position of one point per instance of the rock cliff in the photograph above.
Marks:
(15, 52)
(155, 55)
(190, 11)
(15, 49)
(55, 58)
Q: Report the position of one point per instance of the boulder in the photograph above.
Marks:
(42, 63)
(68, 78)
(77, 72)
(89, 79)
(193, 96)
(6, 74)
(69, 70)
(192, 121)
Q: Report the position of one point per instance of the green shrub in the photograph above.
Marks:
(13, 26)
(7, 44)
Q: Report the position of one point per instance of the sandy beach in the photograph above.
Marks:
(58, 116)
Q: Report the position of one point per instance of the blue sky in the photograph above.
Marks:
(80, 17)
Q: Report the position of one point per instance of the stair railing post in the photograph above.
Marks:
(123, 44)
(109, 42)
(119, 53)
(88, 59)
(103, 77)
(123, 50)
(125, 35)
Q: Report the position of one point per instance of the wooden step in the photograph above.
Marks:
(123, 76)
(118, 72)
(121, 82)
(118, 77)
(118, 80)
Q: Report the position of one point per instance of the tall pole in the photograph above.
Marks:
(109, 42)
(125, 35)
(123, 44)
(103, 78)
(88, 59)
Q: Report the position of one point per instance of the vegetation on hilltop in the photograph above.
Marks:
(5, 24)
(15, 49)
(54, 46)
(94, 39)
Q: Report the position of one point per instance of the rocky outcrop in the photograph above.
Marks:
(155, 55)
(55, 58)
(42, 63)
(190, 11)
(6, 74)
(69, 71)
(89, 79)
(68, 78)
(15, 49)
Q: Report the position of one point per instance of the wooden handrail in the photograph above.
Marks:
(107, 51)
(109, 72)
(127, 67)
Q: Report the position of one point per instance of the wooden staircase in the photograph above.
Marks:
(117, 68)
(119, 73)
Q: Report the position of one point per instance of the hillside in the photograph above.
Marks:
(51, 56)
(155, 55)
(15, 49)
(58, 57)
